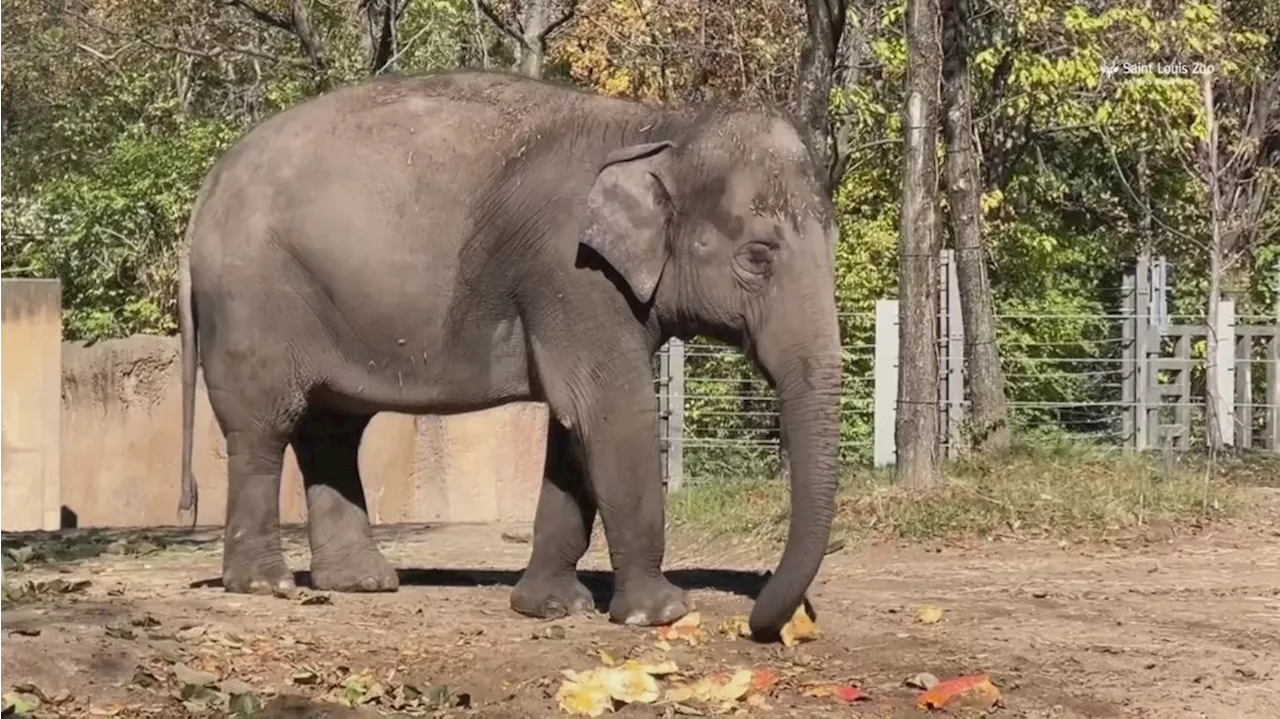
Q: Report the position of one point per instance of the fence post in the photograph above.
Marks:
(952, 364)
(884, 450)
(1224, 329)
(1145, 431)
(1273, 384)
(1128, 363)
(675, 414)
(32, 407)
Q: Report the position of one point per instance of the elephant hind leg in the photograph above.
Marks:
(344, 555)
(549, 587)
(252, 560)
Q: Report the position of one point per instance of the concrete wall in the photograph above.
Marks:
(29, 424)
(121, 450)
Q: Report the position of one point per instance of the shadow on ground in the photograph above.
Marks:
(731, 581)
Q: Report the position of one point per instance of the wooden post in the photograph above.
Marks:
(1244, 390)
(884, 450)
(953, 367)
(675, 418)
(1224, 327)
(1145, 435)
(1129, 390)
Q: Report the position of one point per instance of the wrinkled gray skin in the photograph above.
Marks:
(457, 241)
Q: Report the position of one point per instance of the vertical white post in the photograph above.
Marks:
(675, 418)
(954, 327)
(1224, 327)
(884, 452)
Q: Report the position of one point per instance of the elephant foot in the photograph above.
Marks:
(366, 571)
(270, 577)
(654, 602)
(551, 597)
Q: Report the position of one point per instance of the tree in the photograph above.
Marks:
(815, 77)
(532, 25)
(988, 413)
(916, 433)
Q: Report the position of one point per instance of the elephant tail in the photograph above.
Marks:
(189, 502)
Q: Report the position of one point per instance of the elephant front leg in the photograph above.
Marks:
(344, 556)
(620, 437)
(549, 587)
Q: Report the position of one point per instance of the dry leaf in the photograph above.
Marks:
(717, 688)
(688, 628)
(762, 680)
(630, 684)
(841, 692)
(929, 615)
(800, 629)
(584, 694)
(736, 627)
(976, 690)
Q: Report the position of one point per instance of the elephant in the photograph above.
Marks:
(458, 240)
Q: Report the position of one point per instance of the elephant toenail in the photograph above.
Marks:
(368, 584)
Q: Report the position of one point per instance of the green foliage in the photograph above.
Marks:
(114, 112)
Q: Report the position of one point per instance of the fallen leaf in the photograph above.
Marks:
(19, 704)
(924, 681)
(841, 692)
(120, 631)
(657, 670)
(716, 688)
(976, 690)
(762, 680)
(555, 632)
(146, 621)
(316, 599)
(584, 694)
(190, 633)
(26, 632)
(187, 675)
(929, 615)
(305, 678)
(800, 629)
(687, 628)
(630, 684)
(736, 627)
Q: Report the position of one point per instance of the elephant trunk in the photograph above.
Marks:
(807, 377)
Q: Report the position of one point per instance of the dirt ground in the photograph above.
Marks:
(1163, 625)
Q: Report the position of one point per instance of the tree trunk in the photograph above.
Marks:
(312, 44)
(989, 414)
(537, 22)
(916, 433)
(816, 77)
(1211, 176)
(380, 38)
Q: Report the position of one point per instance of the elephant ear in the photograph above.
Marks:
(629, 210)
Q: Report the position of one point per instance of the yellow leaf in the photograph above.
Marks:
(657, 670)
(736, 627)
(800, 629)
(687, 628)
(929, 615)
(607, 658)
(630, 684)
(584, 693)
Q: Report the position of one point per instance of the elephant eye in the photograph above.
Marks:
(757, 257)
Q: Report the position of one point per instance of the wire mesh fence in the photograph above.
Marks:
(1132, 379)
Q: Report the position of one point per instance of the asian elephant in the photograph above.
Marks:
(455, 241)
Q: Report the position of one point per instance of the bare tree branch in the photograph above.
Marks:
(261, 15)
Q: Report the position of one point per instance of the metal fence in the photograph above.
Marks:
(1131, 379)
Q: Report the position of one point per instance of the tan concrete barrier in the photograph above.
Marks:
(29, 426)
(122, 440)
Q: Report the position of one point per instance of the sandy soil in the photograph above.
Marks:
(1158, 626)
